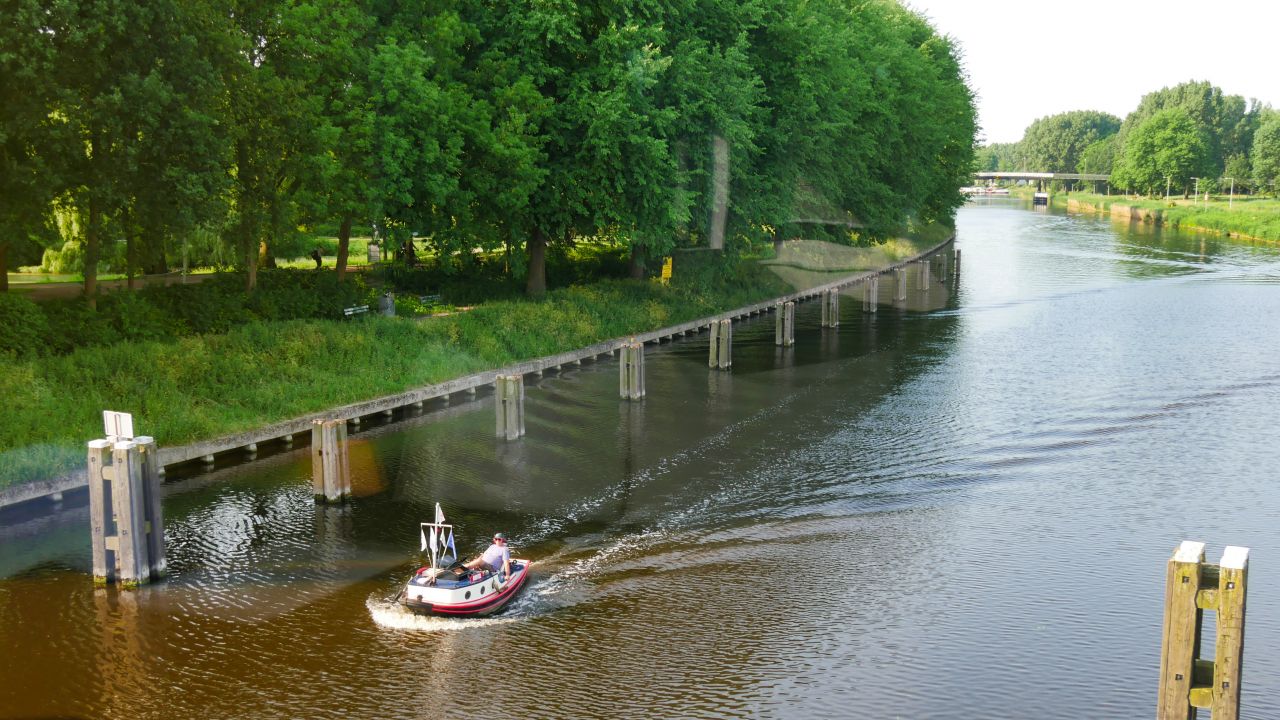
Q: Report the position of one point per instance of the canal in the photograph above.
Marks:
(957, 513)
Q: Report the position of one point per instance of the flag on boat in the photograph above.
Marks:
(452, 552)
(439, 514)
(424, 538)
(434, 542)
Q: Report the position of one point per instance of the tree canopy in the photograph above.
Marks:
(1057, 143)
(517, 125)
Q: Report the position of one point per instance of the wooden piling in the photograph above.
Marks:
(1191, 587)
(923, 266)
(631, 372)
(720, 353)
(330, 465)
(99, 502)
(831, 308)
(152, 472)
(127, 501)
(1233, 576)
(955, 267)
(508, 397)
(784, 326)
(871, 294)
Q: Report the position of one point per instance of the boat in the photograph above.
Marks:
(446, 587)
(984, 190)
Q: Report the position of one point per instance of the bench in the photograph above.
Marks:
(353, 311)
(429, 299)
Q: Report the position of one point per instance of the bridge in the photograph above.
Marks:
(1039, 176)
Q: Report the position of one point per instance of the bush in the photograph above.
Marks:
(23, 327)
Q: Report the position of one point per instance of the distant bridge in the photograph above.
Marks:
(1041, 176)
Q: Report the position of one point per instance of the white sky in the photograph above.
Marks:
(1026, 60)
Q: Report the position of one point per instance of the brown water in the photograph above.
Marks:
(949, 514)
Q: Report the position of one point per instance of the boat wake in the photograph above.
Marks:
(393, 616)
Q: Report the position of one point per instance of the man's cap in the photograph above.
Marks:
(500, 536)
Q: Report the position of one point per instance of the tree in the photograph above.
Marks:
(1100, 156)
(998, 156)
(27, 182)
(1265, 153)
(1227, 122)
(1167, 147)
(1056, 143)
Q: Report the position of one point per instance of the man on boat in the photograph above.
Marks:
(496, 558)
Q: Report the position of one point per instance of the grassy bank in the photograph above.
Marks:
(1247, 218)
(209, 385)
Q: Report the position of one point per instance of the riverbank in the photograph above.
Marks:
(216, 392)
(1254, 219)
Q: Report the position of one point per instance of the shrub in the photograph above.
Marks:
(23, 327)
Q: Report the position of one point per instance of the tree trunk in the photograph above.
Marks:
(635, 268)
(130, 251)
(344, 245)
(4, 266)
(777, 242)
(536, 285)
(92, 251)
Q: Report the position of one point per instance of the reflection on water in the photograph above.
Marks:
(888, 519)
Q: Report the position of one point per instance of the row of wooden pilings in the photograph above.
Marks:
(124, 474)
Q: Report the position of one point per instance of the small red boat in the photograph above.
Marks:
(447, 587)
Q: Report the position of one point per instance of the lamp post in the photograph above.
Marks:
(1196, 202)
(1232, 195)
(1166, 189)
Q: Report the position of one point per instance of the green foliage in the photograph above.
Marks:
(1226, 122)
(1169, 145)
(1266, 153)
(1100, 156)
(1058, 142)
(22, 326)
(999, 156)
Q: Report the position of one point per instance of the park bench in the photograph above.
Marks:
(429, 299)
(354, 311)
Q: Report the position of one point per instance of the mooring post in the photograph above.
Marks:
(870, 293)
(508, 397)
(99, 501)
(127, 502)
(784, 332)
(1192, 586)
(924, 273)
(955, 268)
(713, 346)
(152, 471)
(780, 323)
(330, 466)
(722, 343)
(631, 371)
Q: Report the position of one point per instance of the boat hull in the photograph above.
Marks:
(485, 596)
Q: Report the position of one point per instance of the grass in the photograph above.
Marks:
(206, 386)
(1246, 217)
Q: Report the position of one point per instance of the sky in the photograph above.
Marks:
(1028, 60)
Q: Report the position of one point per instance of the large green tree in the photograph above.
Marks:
(27, 179)
(1227, 122)
(1265, 155)
(1167, 149)
(1056, 143)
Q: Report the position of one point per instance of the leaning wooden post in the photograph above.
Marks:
(713, 346)
(127, 502)
(152, 506)
(99, 508)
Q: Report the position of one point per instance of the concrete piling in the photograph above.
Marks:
(631, 371)
(330, 466)
(508, 394)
